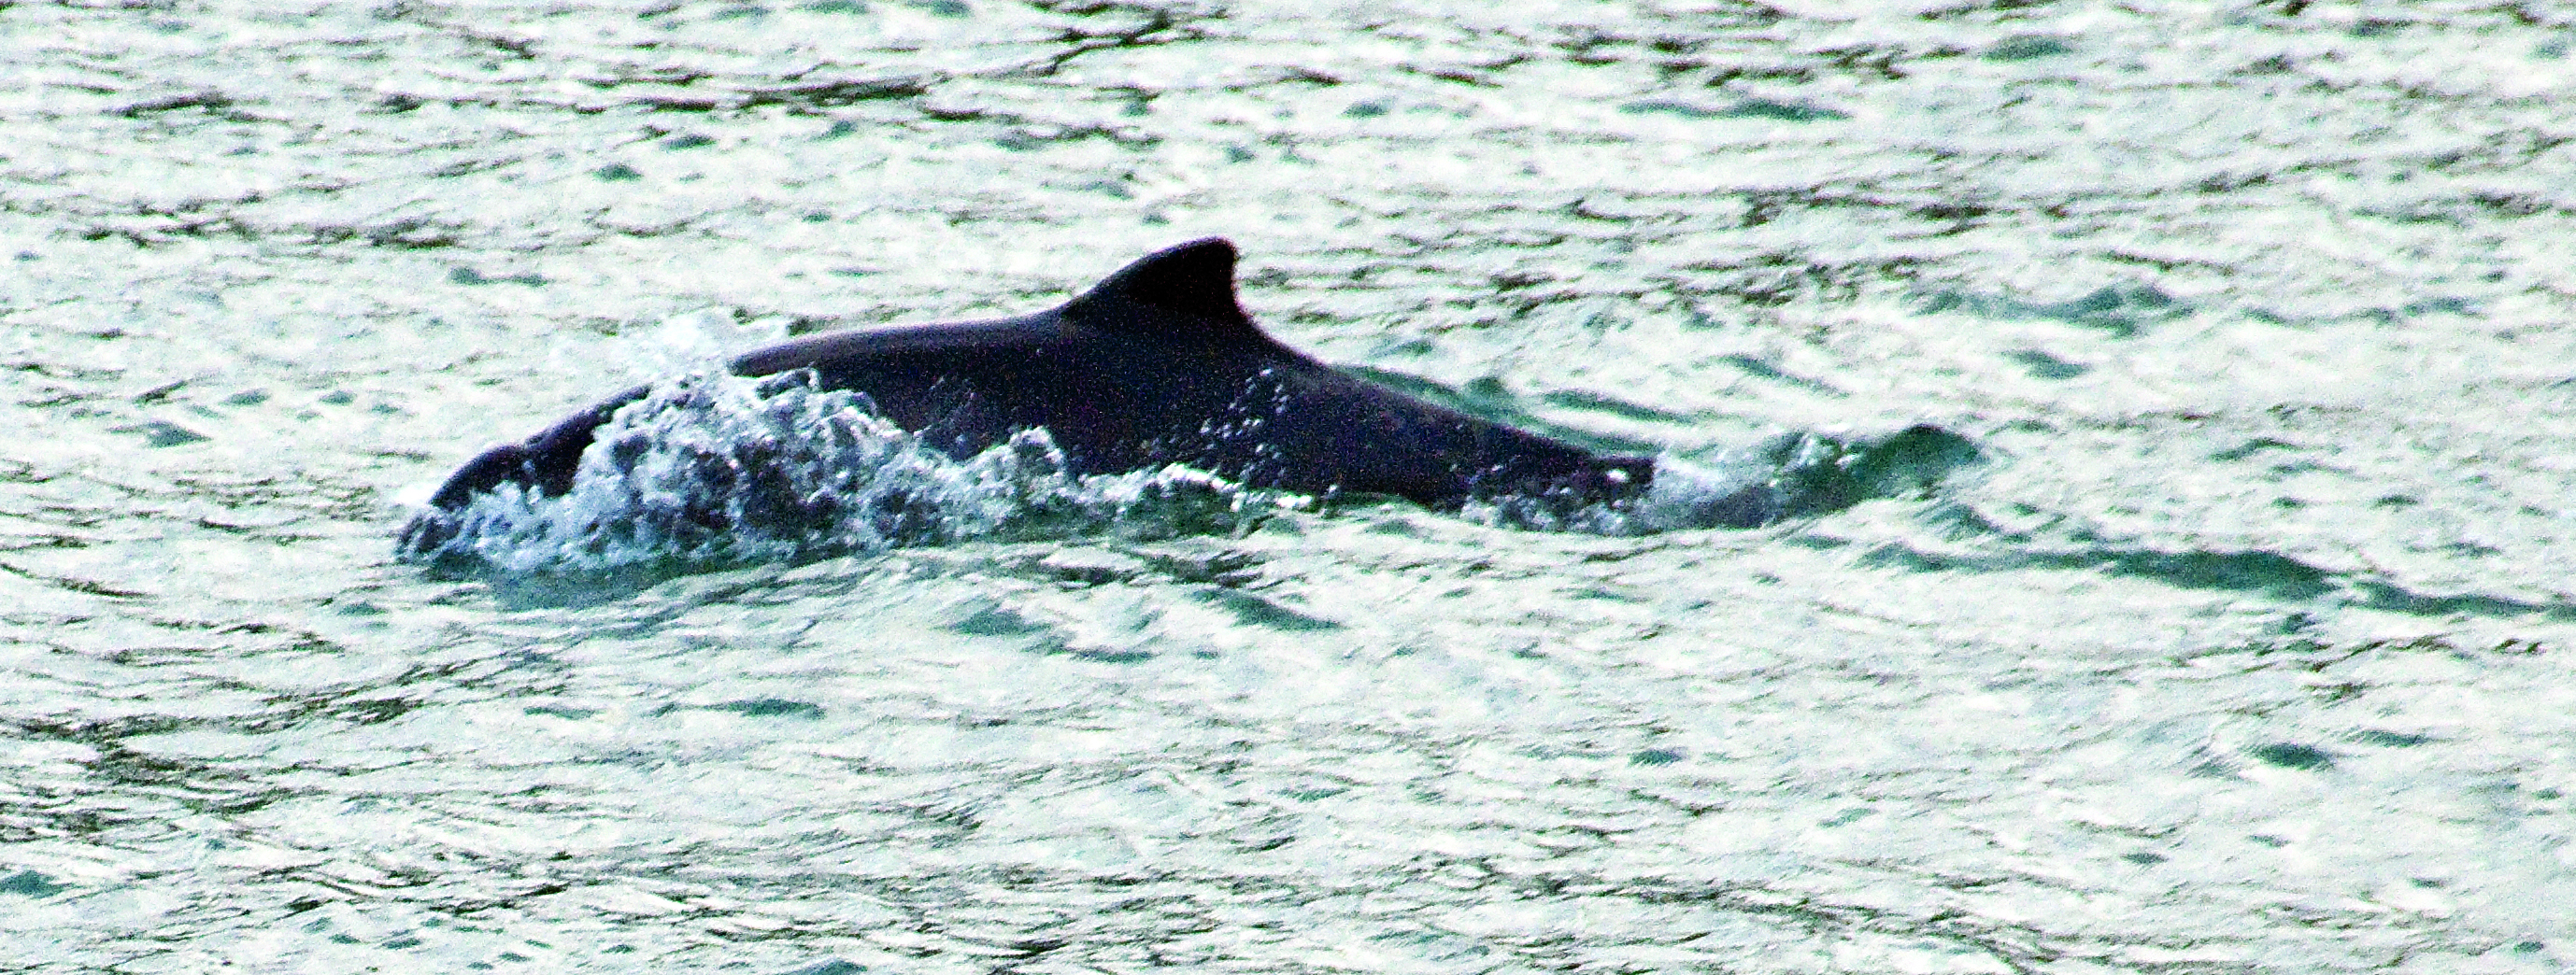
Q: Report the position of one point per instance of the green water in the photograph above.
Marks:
(2245, 648)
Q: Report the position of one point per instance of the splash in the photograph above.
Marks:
(720, 470)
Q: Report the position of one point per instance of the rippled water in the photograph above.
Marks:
(2245, 647)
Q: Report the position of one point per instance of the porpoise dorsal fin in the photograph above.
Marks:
(1195, 279)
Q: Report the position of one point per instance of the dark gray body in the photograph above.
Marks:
(1155, 365)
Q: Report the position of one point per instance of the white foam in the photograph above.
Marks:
(1735, 488)
(723, 469)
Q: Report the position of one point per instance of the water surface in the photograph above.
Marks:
(2243, 648)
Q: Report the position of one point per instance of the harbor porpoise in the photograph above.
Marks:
(1155, 365)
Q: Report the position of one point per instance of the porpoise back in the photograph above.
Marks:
(1155, 365)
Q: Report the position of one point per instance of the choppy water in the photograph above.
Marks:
(2245, 647)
